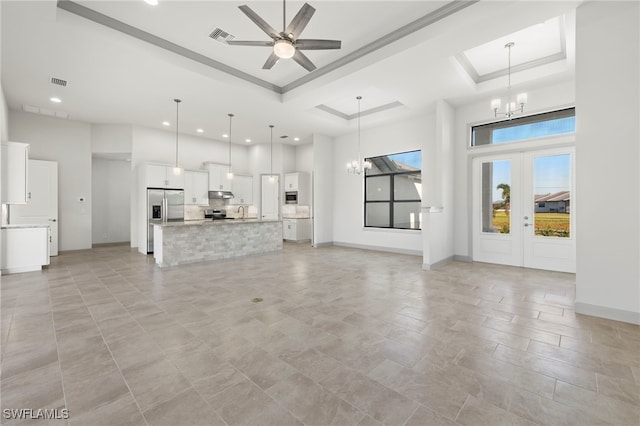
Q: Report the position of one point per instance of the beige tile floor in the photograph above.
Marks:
(342, 336)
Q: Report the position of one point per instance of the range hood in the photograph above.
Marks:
(220, 194)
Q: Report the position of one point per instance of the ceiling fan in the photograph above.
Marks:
(287, 44)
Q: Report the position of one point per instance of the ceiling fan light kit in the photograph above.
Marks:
(287, 44)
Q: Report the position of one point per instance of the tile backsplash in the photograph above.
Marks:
(197, 212)
(293, 211)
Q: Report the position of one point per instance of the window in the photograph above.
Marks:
(393, 191)
(521, 128)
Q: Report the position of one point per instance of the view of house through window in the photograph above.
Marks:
(393, 191)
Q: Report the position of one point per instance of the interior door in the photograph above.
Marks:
(524, 209)
(270, 197)
(42, 206)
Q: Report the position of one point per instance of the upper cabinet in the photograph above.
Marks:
(218, 179)
(242, 188)
(157, 176)
(300, 183)
(15, 169)
(196, 188)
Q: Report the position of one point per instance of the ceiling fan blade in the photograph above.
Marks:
(310, 44)
(306, 63)
(271, 61)
(300, 21)
(250, 43)
(271, 32)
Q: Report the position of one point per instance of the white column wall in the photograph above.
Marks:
(323, 190)
(607, 156)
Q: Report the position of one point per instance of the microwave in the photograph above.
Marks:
(291, 197)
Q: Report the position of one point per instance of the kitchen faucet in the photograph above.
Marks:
(238, 211)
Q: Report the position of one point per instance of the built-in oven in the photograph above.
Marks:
(291, 197)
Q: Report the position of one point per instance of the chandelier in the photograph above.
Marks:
(512, 108)
(359, 166)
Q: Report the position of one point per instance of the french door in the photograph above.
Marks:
(524, 209)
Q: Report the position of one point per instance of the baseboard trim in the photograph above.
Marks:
(117, 244)
(608, 313)
(325, 244)
(379, 248)
(438, 264)
(460, 258)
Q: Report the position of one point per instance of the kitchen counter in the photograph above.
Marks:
(21, 226)
(179, 243)
(209, 222)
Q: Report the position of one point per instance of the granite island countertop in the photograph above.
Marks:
(217, 222)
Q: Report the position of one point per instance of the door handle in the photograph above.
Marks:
(52, 220)
(528, 224)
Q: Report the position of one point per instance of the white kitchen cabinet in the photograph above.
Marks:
(218, 179)
(25, 248)
(296, 229)
(159, 176)
(15, 170)
(300, 183)
(196, 188)
(242, 188)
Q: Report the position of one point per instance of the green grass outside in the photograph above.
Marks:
(548, 224)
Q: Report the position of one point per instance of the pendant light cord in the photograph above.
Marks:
(230, 118)
(271, 148)
(359, 98)
(177, 101)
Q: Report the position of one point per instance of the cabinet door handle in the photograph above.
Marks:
(52, 220)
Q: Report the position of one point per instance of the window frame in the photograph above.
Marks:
(515, 120)
(391, 201)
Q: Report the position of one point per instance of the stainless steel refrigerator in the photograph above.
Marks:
(163, 205)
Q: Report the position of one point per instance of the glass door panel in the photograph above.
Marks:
(496, 196)
(552, 195)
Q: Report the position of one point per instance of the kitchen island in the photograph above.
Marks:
(179, 243)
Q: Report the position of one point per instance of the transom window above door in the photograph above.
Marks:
(523, 128)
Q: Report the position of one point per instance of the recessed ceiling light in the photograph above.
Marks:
(151, 2)
(225, 135)
(296, 139)
(247, 140)
(166, 123)
(200, 131)
(55, 100)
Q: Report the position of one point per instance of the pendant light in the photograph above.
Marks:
(177, 170)
(272, 178)
(358, 167)
(511, 108)
(230, 172)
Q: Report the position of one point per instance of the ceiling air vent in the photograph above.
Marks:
(221, 35)
(59, 81)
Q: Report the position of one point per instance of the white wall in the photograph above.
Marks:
(304, 158)
(544, 99)
(69, 143)
(348, 209)
(111, 138)
(288, 159)
(323, 191)
(607, 156)
(111, 183)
